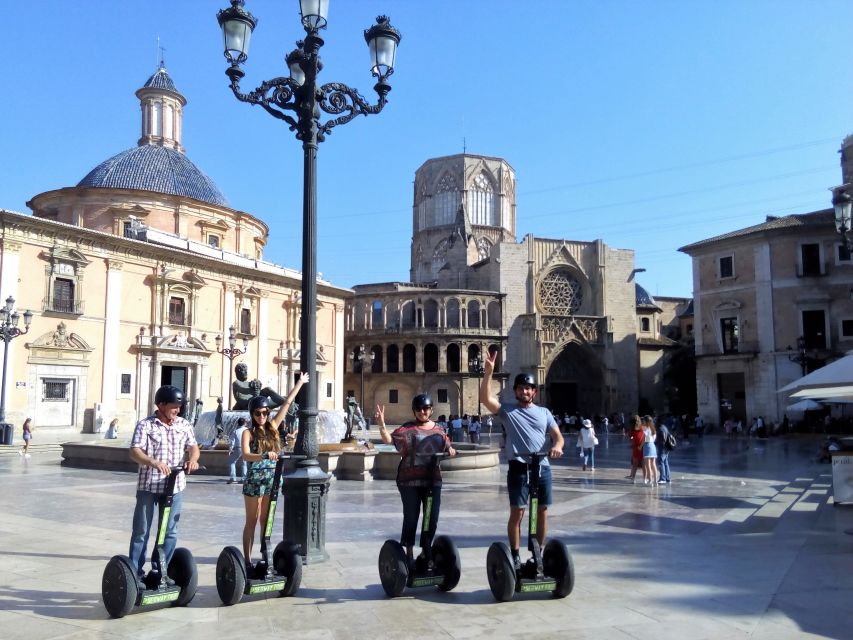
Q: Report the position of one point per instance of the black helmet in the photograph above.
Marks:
(525, 379)
(421, 400)
(259, 402)
(168, 394)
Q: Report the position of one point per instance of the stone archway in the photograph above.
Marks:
(575, 382)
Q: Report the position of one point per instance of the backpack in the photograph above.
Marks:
(670, 442)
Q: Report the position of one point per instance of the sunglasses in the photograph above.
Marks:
(261, 412)
(424, 409)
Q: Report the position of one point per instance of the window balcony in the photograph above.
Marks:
(69, 307)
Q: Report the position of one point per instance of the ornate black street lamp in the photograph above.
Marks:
(362, 358)
(231, 352)
(842, 203)
(9, 331)
(475, 367)
(298, 101)
(801, 357)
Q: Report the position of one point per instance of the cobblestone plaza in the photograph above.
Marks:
(745, 543)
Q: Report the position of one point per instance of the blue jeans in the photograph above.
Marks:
(589, 457)
(143, 518)
(235, 458)
(663, 463)
(412, 498)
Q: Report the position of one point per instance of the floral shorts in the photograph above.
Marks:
(259, 478)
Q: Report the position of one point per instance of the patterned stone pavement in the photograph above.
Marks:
(745, 543)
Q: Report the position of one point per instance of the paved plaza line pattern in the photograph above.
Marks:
(745, 543)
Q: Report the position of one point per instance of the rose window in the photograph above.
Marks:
(560, 293)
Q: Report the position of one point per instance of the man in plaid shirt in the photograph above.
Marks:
(159, 443)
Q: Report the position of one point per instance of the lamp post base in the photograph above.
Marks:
(304, 491)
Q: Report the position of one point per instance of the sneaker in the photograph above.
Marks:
(592, 468)
(516, 563)
(629, 477)
(240, 481)
(20, 452)
(26, 455)
(584, 467)
(230, 481)
(661, 481)
(647, 481)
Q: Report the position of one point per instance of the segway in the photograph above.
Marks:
(549, 571)
(438, 566)
(122, 590)
(283, 574)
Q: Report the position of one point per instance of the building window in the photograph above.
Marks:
(729, 331)
(727, 267)
(246, 321)
(644, 324)
(213, 241)
(127, 229)
(393, 359)
(55, 390)
(328, 389)
(843, 254)
(392, 396)
(63, 295)
(409, 358)
(814, 329)
(441, 395)
(177, 309)
(810, 264)
(125, 384)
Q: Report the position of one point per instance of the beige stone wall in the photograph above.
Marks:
(768, 295)
(121, 291)
(107, 210)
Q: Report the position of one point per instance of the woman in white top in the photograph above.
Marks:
(587, 442)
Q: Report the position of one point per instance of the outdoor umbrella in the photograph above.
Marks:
(834, 378)
(803, 405)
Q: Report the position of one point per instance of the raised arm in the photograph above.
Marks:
(282, 411)
(379, 416)
(489, 401)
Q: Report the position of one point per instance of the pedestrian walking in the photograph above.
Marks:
(27, 436)
(587, 442)
(474, 429)
(663, 450)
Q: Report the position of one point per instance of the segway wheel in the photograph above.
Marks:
(119, 587)
(183, 571)
(230, 576)
(393, 568)
(557, 563)
(500, 571)
(447, 562)
(287, 562)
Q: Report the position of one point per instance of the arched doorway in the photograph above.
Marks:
(575, 382)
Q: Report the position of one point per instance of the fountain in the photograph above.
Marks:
(341, 453)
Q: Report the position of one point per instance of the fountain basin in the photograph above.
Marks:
(345, 461)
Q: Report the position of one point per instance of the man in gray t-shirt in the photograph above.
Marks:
(528, 427)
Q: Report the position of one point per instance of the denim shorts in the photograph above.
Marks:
(519, 488)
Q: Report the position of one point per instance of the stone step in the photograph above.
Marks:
(13, 450)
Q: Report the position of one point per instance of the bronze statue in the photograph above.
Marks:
(354, 416)
(245, 389)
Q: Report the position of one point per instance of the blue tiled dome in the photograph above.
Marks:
(644, 298)
(160, 80)
(154, 168)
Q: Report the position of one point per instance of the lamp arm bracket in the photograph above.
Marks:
(275, 96)
(336, 98)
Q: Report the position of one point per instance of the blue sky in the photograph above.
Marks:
(649, 125)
